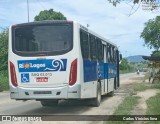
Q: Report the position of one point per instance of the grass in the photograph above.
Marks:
(126, 71)
(125, 108)
(139, 87)
(143, 86)
(153, 104)
(155, 86)
(146, 76)
(4, 85)
(153, 108)
(130, 101)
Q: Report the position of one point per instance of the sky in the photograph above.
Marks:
(117, 24)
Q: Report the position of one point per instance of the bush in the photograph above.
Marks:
(4, 85)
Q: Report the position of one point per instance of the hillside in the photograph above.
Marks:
(136, 58)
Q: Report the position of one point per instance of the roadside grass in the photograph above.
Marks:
(153, 107)
(155, 86)
(146, 76)
(127, 105)
(144, 86)
(4, 81)
(125, 108)
(131, 100)
(139, 87)
(153, 104)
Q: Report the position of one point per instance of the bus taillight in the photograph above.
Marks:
(73, 73)
(13, 75)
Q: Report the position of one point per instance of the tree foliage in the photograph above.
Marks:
(4, 49)
(155, 53)
(125, 65)
(115, 2)
(151, 33)
(49, 15)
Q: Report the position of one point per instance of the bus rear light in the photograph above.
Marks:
(73, 73)
(13, 75)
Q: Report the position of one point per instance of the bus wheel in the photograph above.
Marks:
(96, 101)
(49, 103)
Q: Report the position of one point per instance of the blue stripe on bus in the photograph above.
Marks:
(90, 70)
(94, 71)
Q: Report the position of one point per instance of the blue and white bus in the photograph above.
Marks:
(54, 60)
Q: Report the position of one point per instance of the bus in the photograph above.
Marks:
(60, 60)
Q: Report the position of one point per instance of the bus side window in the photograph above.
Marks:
(109, 53)
(84, 44)
(93, 50)
(112, 54)
(106, 47)
(99, 50)
(115, 55)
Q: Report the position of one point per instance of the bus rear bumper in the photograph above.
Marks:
(65, 92)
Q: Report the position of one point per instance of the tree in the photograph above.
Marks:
(152, 5)
(124, 64)
(49, 15)
(155, 53)
(4, 49)
(151, 33)
(115, 2)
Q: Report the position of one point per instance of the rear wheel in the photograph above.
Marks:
(96, 101)
(49, 102)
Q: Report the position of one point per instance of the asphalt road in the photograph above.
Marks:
(65, 107)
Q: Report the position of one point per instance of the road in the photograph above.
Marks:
(8, 106)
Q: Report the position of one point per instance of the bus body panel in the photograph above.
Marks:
(32, 78)
(37, 79)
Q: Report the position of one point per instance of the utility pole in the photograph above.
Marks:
(28, 9)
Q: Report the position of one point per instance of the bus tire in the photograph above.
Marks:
(50, 103)
(96, 101)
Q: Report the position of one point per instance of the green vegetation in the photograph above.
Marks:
(127, 105)
(126, 67)
(144, 86)
(153, 104)
(4, 85)
(125, 108)
(151, 32)
(139, 87)
(155, 53)
(49, 15)
(155, 86)
(129, 67)
(4, 49)
(4, 60)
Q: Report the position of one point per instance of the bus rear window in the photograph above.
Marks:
(49, 39)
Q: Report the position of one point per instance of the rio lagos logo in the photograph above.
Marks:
(30, 65)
